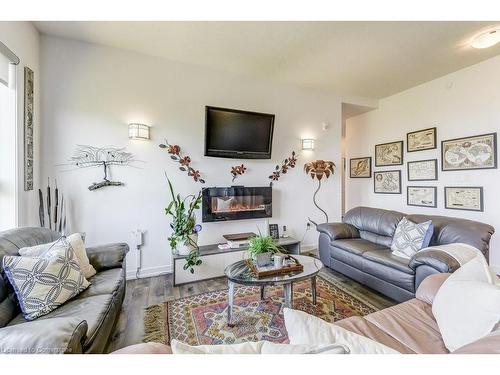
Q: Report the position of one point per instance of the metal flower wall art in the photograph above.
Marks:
(238, 170)
(283, 168)
(318, 169)
(90, 156)
(184, 161)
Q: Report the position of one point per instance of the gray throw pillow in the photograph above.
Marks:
(410, 237)
(44, 283)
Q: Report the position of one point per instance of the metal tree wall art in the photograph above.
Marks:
(184, 161)
(318, 169)
(89, 156)
(238, 170)
(280, 170)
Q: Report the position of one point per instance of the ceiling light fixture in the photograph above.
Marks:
(486, 39)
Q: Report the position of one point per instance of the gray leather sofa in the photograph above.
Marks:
(359, 248)
(83, 324)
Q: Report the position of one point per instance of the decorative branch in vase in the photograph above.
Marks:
(184, 238)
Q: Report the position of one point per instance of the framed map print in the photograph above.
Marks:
(422, 196)
(463, 198)
(421, 140)
(389, 154)
(477, 152)
(422, 170)
(387, 182)
(360, 167)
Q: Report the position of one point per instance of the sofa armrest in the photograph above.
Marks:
(45, 336)
(428, 288)
(107, 256)
(337, 231)
(439, 260)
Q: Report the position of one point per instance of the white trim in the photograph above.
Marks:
(149, 272)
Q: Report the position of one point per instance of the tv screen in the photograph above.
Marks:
(231, 133)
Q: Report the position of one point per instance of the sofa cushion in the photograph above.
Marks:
(45, 283)
(357, 246)
(411, 323)
(374, 220)
(387, 258)
(105, 282)
(411, 237)
(363, 327)
(467, 306)
(91, 309)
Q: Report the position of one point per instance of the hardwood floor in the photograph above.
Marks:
(142, 293)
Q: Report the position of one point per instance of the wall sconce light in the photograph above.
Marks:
(138, 131)
(308, 144)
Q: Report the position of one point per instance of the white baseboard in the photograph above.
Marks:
(149, 272)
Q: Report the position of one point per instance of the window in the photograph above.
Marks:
(8, 139)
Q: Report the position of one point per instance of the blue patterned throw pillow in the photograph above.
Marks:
(44, 283)
(410, 237)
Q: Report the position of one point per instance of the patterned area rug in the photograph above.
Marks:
(202, 319)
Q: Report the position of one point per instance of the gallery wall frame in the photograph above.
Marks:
(469, 153)
(29, 86)
(421, 196)
(422, 170)
(467, 198)
(389, 154)
(360, 167)
(421, 140)
(387, 182)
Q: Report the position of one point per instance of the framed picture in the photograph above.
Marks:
(420, 140)
(389, 154)
(29, 84)
(387, 182)
(274, 231)
(463, 198)
(361, 167)
(423, 170)
(421, 196)
(477, 152)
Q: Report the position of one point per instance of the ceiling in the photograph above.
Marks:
(372, 59)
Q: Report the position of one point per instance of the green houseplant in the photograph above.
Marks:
(261, 248)
(184, 237)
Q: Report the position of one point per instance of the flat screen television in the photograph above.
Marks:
(231, 133)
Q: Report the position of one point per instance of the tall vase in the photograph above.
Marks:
(184, 248)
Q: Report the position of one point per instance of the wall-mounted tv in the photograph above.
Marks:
(231, 133)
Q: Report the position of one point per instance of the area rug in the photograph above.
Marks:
(202, 319)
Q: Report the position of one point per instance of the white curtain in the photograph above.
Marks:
(4, 69)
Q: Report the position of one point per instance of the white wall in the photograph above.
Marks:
(23, 39)
(90, 94)
(464, 103)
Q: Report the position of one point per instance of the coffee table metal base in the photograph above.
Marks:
(288, 291)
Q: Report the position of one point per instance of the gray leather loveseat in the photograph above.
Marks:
(359, 248)
(83, 324)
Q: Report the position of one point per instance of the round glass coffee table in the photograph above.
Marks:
(239, 273)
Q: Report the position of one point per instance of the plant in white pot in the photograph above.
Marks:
(184, 238)
(261, 249)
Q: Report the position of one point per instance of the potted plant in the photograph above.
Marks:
(184, 238)
(261, 249)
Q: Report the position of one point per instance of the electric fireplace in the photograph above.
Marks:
(236, 203)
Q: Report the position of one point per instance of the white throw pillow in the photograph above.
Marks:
(467, 306)
(75, 241)
(44, 283)
(259, 347)
(305, 329)
(411, 237)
